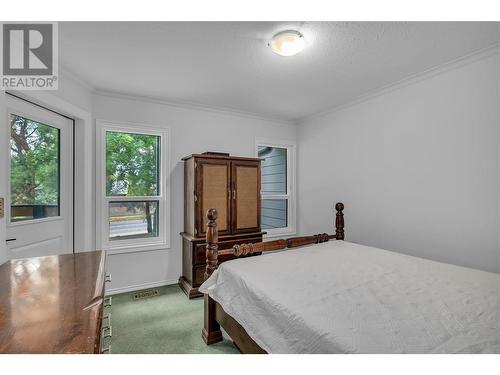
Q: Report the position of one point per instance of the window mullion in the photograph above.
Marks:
(278, 196)
(133, 198)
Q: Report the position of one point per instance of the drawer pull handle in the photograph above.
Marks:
(106, 350)
(109, 331)
(108, 317)
(107, 278)
(107, 302)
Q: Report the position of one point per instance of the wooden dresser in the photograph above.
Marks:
(232, 186)
(54, 304)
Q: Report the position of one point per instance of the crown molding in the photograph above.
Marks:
(192, 105)
(409, 80)
(65, 72)
(464, 60)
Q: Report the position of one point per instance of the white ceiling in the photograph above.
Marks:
(229, 65)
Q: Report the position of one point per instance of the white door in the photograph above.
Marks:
(39, 207)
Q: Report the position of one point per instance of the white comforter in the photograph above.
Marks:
(340, 297)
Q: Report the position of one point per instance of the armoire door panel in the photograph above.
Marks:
(246, 196)
(213, 192)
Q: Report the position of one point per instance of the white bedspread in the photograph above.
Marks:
(340, 297)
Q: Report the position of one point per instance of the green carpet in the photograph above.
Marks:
(168, 323)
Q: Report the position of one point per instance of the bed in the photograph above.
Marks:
(334, 296)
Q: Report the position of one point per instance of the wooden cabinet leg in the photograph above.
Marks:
(211, 333)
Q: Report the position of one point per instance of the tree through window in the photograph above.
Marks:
(34, 169)
(132, 170)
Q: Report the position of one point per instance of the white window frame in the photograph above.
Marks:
(290, 146)
(102, 201)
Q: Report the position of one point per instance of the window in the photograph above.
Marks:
(133, 219)
(34, 170)
(277, 187)
(134, 211)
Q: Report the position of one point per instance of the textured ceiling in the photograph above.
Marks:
(229, 65)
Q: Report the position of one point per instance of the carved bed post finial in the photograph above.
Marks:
(339, 221)
(212, 239)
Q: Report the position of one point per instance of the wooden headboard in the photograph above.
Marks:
(258, 248)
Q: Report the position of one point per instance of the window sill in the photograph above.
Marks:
(136, 248)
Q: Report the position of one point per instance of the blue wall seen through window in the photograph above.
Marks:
(274, 182)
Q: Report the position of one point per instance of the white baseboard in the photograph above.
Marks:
(133, 288)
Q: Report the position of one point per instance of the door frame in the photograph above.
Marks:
(84, 239)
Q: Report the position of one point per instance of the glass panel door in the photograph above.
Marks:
(40, 174)
(34, 169)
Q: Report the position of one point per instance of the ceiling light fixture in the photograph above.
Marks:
(287, 43)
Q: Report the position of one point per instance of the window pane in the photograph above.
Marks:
(132, 164)
(274, 213)
(34, 169)
(133, 220)
(273, 170)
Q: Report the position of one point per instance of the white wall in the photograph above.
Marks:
(416, 166)
(192, 131)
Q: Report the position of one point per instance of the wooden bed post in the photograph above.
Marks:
(211, 332)
(212, 239)
(339, 221)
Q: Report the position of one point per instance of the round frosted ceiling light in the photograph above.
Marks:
(287, 43)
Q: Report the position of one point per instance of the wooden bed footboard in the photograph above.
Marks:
(214, 314)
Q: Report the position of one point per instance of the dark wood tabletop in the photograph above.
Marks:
(52, 304)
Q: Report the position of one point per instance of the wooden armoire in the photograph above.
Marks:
(232, 186)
